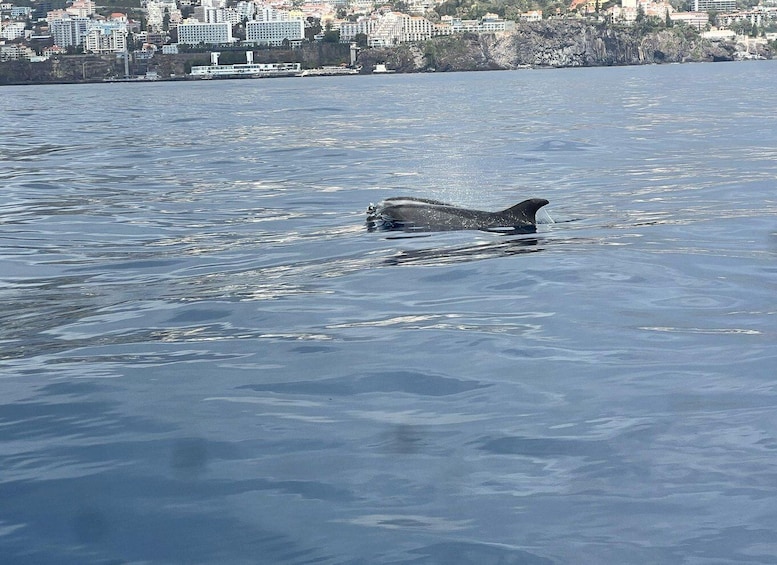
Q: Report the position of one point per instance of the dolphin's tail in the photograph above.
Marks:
(526, 211)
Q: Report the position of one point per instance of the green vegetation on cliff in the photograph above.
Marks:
(554, 43)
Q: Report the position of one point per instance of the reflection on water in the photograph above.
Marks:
(463, 253)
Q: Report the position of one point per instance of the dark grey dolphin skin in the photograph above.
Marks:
(424, 214)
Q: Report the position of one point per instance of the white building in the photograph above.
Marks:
(106, 37)
(392, 28)
(365, 25)
(717, 5)
(416, 28)
(274, 28)
(245, 10)
(457, 25)
(213, 15)
(21, 12)
(155, 10)
(758, 16)
(13, 30)
(696, 20)
(15, 52)
(719, 35)
(389, 30)
(192, 32)
(532, 16)
(68, 32)
(270, 14)
(361, 6)
(81, 9)
(492, 23)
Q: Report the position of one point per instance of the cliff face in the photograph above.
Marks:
(559, 43)
(577, 44)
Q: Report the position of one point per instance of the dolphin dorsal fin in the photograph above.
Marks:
(525, 211)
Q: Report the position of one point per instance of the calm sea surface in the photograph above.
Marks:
(205, 358)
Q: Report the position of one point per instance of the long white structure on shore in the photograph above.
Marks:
(247, 69)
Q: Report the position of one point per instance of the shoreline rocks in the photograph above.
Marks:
(555, 44)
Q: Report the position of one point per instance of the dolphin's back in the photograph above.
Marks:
(425, 214)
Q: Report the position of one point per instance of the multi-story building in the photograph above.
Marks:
(15, 52)
(81, 8)
(12, 30)
(106, 37)
(492, 23)
(365, 25)
(757, 16)
(274, 27)
(68, 32)
(192, 32)
(697, 20)
(716, 5)
(270, 14)
(630, 10)
(21, 12)
(155, 12)
(392, 28)
(416, 28)
(213, 15)
(245, 10)
(449, 25)
(389, 30)
(361, 6)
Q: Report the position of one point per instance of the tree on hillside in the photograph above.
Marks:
(312, 28)
(331, 35)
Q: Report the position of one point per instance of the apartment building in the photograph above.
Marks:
(416, 28)
(15, 52)
(155, 13)
(68, 31)
(192, 32)
(388, 31)
(365, 25)
(716, 5)
(275, 32)
(12, 30)
(273, 27)
(106, 37)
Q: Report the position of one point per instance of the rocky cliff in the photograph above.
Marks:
(554, 43)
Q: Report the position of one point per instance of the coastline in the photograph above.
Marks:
(547, 44)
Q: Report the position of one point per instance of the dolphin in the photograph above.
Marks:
(424, 214)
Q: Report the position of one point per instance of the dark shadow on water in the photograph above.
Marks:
(464, 253)
(119, 489)
(562, 145)
(407, 382)
(545, 447)
(477, 554)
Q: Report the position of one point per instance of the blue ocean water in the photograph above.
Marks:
(206, 358)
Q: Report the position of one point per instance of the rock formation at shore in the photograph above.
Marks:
(554, 43)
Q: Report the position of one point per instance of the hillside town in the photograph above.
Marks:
(40, 30)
